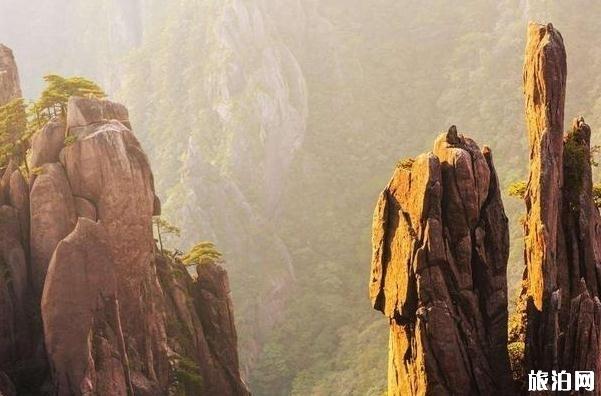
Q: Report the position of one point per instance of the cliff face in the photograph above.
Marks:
(9, 76)
(78, 251)
(562, 226)
(440, 248)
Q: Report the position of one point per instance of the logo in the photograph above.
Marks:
(561, 381)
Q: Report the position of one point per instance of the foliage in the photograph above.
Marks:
(595, 151)
(406, 163)
(53, 99)
(372, 100)
(517, 189)
(164, 228)
(201, 253)
(185, 377)
(13, 131)
(38, 170)
(19, 121)
(597, 194)
(69, 140)
(574, 161)
(516, 360)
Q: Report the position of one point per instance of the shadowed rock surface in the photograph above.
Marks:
(440, 249)
(560, 297)
(77, 253)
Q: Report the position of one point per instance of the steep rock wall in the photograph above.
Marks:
(560, 297)
(440, 249)
(77, 253)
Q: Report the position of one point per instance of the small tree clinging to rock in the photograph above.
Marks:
(14, 134)
(54, 98)
(19, 121)
(164, 228)
(201, 253)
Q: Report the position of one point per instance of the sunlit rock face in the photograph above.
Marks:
(440, 249)
(562, 228)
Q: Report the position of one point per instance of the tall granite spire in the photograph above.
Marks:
(561, 308)
(440, 250)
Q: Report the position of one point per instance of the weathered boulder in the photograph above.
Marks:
(47, 143)
(80, 311)
(440, 250)
(52, 216)
(85, 112)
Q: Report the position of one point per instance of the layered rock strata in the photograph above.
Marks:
(440, 250)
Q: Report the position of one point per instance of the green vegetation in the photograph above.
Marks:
(517, 189)
(185, 377)
(597, 194)
(19, 121)
(516, 345)
(14, 134)
(574, 161)
(69, 140)
(54, 98)
(406, 163)
(164, 228)
(201, 253)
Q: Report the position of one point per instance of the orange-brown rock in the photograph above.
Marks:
(440, 250)
(562, 280)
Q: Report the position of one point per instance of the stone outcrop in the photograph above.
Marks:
(440, 250)
(10, 87)
(77, 252)
(562, 280)
(104, 271)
